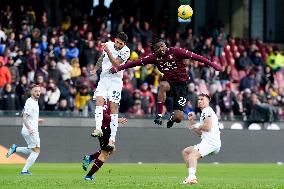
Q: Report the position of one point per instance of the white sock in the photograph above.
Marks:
(191, 172)
(113, 126)
(30, 161)
(24, 150)
(99, 117)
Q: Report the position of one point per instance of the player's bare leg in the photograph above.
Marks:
(113, 125)
(177, 116)
(162, 95)
(98, 116)
(190, 156)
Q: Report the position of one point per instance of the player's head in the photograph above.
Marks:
(203, 100)
(35, 91)
(120, 40)
(159, 47)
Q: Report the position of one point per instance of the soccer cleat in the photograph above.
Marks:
(190, 181)
(26, 173)
(86, 162)
(97, 133)
(88, 178)
(170, 122)
(110, 145)
(11, 150)
(158, 120)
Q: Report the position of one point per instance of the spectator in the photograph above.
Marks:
(64, 68)
(192, 96)
(5, 74)
(53, 72)
(89, 55)
(76, 71)
(81, 99)
(72, 51)
(21, 90)
(244, 62)
(63, 105)
(239, 107)
(43, 71)
(51, 96)
(32, 64)
(9, 99)
(248, 81)
(147, 99)
(136, 110)
(13, 70)
(227, 101)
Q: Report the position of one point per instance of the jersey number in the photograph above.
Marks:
(182, 101)
(115, 95)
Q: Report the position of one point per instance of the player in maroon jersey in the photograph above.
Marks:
(174, 83)
(103, 154)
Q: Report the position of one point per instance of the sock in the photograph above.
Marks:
(97, 165)
(191, 172)
(24, 150)
(95, 155)
(160, 106)
(30, 161)
(113, 126)
(99, 117)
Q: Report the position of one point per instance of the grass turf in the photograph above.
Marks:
(126, 176)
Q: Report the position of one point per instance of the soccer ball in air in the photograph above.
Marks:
(185, 12)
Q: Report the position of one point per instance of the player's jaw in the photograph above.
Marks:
(118, 44)
(160, 49)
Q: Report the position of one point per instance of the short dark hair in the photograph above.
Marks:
(122, 36)
(33, 86)
(156, 41)
(205, 95)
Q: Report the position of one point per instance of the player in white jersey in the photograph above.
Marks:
(30, 130)
(208, 130)
(110, 85)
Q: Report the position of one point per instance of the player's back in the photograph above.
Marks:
(123, 53)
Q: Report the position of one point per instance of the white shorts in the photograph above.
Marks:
(32, 140)
(110, 88)
(205, 148)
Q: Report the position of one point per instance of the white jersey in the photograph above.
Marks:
(213, 136)
(32, 110)
(123, 53)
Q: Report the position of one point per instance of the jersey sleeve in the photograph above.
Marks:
(28, 108)
(124, 55)
(182, 53)
(206, 113)
(149, 59)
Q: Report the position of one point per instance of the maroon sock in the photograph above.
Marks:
(95, 155)
(160, 106)
(97, 165)
(205, 61)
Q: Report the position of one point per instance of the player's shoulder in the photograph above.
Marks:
(109, 43)
(208, 110)
(175, 49)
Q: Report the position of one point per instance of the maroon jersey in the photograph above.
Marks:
(170, 64)
(106, 116)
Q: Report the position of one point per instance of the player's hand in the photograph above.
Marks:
(190, 116)
(105, 47)
(31, 131)
(122, 120)
(40, 121)
(113, 70)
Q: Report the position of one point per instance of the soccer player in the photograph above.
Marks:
(110, 85)
(208, 130)
(30, 130)
(174, 83)
(104, 153)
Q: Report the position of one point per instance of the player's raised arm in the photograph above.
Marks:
(149, 59)
(186, 54)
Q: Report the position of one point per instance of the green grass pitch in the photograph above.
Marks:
(127, 176)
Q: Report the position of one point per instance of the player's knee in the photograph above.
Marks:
(186, 151)
(36, 149)
(178, 116)
(99, 101)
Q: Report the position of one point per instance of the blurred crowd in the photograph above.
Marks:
(59, 59)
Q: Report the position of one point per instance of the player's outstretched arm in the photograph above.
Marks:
(114, 61)
(142, 61)
(186, 54)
